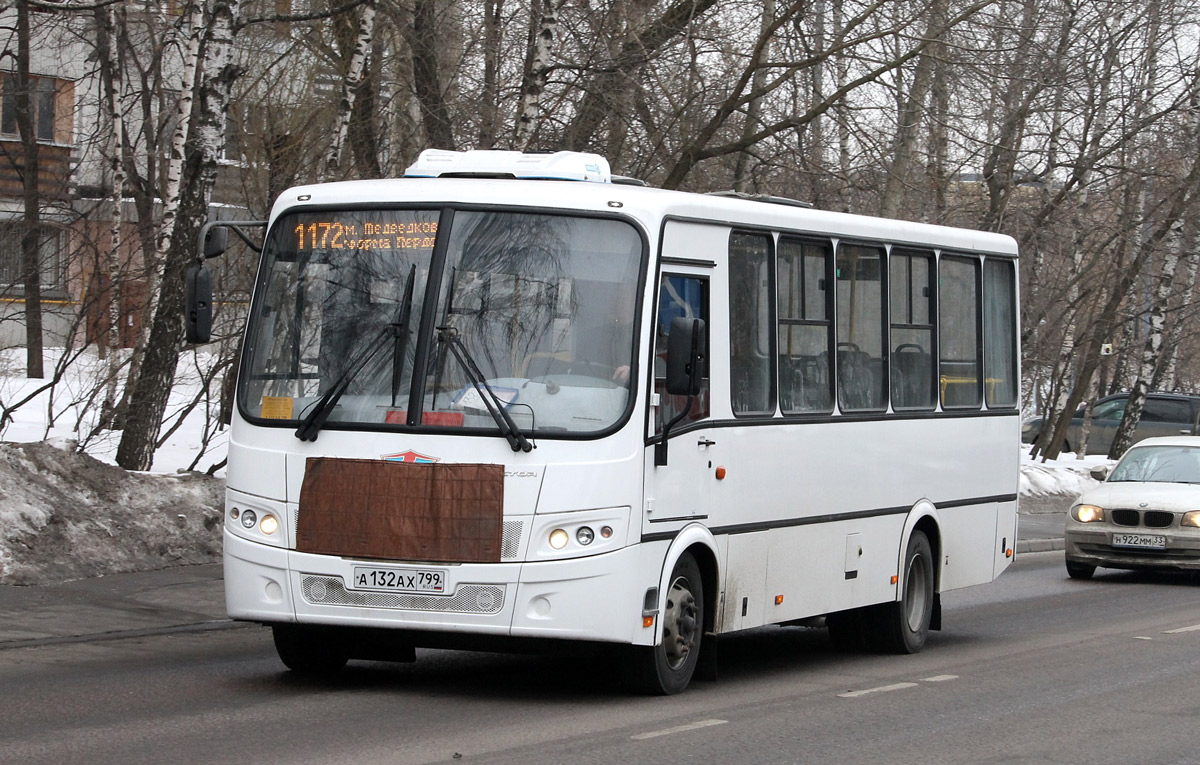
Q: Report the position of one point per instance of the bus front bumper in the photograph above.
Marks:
(596, 598)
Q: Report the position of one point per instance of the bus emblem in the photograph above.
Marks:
(410, 456)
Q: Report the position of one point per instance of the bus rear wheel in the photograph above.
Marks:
(903, 626)
(308, 650)
(667, 668)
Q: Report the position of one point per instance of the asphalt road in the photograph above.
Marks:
(1031, 668)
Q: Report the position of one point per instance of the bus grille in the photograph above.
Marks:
(510, 541)
(469, 599)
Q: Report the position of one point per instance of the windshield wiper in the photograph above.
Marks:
(448, 336)
(310, 426)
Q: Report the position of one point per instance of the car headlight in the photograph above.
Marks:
(1191, 519)
(1088, 513)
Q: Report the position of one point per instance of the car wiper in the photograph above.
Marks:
(448, 336)
(311, 425)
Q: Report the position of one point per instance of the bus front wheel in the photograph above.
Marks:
(667, 668)
(308, 650)
(903, 626)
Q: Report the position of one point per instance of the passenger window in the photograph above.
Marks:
(1109, 410)
(959, 377)
(750, 350)
(679, 296)
(1000, 333)
(860, 328)
(1165, 410)
(912, 310)
(805, 328)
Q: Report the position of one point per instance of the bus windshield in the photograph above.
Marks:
(350, 302)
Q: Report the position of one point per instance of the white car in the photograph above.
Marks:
(1146, 514)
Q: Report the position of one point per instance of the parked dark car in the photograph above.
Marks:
(1166, 414)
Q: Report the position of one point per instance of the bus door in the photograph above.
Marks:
(680, 490)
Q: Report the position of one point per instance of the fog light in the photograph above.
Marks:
(249, 519)
(585, 535)
(234, 513)
(1087, 513)
(559, 539)
(269, 525)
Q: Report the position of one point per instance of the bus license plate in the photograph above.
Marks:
(400, 580)
(1144, 541)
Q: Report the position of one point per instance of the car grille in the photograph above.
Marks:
(1153, 519)
(1157, 519)
(1125, 517)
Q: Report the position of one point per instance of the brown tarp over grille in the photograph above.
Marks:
(401, 511)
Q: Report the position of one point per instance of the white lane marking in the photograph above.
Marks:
(939, 678)
(677, 729)
(1142, 637)
(1192, 628)
(880, 689)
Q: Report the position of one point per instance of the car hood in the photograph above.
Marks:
(1178, 497)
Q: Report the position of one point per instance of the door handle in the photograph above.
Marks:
(705, 442)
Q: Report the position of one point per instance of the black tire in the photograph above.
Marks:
(309, 650)
(903, 626)
(667, 668)
(1080, 570)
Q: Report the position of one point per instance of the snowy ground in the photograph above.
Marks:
(67, 512)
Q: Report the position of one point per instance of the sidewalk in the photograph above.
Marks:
(115, 606)
(192, 598)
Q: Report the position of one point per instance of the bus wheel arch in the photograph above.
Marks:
(685, 615)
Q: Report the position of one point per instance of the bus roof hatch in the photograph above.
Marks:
(489, 163)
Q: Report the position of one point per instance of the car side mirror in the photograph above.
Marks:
(1100, 472)
(685, 356)
(198, 308)
(216, 241)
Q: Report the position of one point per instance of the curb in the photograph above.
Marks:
(1039, 545)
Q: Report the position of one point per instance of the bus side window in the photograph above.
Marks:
(860, 367)
(1000, 333)
(911, 277)
(958, 337)
(750, 354)
(805, 326)
(687, 297)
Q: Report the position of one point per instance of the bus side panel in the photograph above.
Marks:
(745, 581)
(1006, 534)
(968, 541)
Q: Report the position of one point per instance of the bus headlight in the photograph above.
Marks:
(585, 535)
(249, 518)
(269, 525)
(559, 539)
(1087, 513)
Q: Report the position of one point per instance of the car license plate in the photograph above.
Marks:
(1145, 541)
(425, 580)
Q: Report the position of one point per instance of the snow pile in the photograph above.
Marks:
(66, 515)
(1066, 476)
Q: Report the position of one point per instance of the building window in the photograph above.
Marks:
(49, 104)
(51, 260)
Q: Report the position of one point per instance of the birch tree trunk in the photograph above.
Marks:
(218, 71)
(109, 70)
(543, 31)
(1152, 347)
(350, 87)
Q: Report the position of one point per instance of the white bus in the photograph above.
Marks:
(510, 399)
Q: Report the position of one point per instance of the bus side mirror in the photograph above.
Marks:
(685, 354)
(198, 310)
(216, 241)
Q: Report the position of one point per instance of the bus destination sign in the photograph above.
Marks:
(356, 234)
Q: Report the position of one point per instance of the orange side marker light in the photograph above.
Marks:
(895, 579)
(779, 600)
(647, 621)
(720, 472)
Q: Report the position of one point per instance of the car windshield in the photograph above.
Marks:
(1159, 464)
(543, 306)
